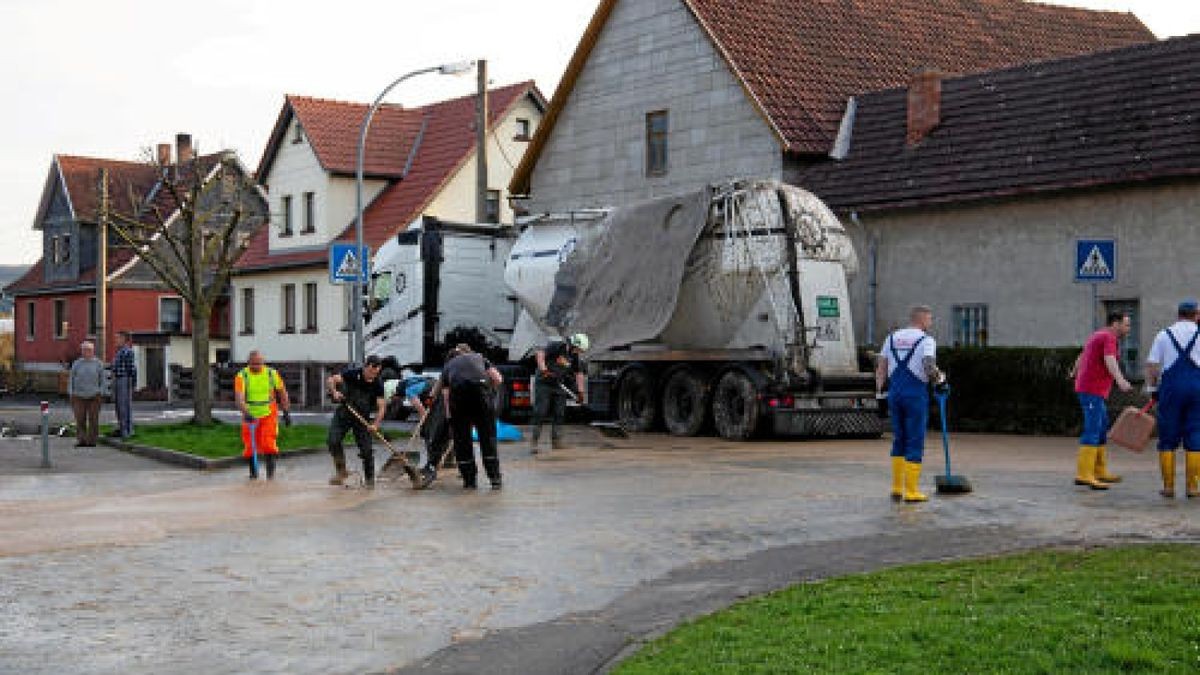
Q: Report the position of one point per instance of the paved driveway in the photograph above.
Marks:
(113, 564)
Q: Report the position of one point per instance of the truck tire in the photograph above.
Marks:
(637, 407)
(735, 406)
(685, 402)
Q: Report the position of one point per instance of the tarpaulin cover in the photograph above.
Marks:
(622, 286)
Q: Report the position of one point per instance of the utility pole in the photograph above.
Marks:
(481, 130)
(102, 269)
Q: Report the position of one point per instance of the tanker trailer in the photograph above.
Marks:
(726, 307)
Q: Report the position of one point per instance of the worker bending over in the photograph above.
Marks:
(467, 384)
(1173, 378)
(559, 377)
(907, 364)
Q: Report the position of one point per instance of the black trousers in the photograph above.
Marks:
(471, 406)
(436, 432)
(549, 400)
(342, 423)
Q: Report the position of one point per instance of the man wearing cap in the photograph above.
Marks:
(559, 375)
(261, 397)
(907, 365)
(362, 390)
(1095, 371)
(1173, 379)
(467, 383)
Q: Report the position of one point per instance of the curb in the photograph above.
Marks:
(190, 461)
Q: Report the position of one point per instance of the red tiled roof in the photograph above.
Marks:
(1114, 117)
(799, 60)
(447, 143)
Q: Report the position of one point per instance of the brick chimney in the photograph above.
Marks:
(183, 148)
(164, 154)
(924, 104)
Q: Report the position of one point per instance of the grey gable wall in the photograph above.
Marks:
(652, 55)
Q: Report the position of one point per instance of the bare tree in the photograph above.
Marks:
(190, 228)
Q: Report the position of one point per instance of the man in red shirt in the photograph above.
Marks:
(1095, 371)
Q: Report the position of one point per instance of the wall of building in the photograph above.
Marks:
(456, 202)
(296, 171)
(327, 344)
(1018, 256)
(652, 55)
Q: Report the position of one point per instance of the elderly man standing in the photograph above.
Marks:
(86, 387)
(124, 372)
(261, 398)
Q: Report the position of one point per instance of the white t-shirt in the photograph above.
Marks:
(1163, 352)
(905, 338)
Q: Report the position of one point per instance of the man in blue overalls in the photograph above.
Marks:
(907, 364)
(1173, 378)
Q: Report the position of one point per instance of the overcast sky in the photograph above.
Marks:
(111, 78)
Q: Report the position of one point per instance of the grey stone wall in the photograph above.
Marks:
(1017, 256)
(652, 55)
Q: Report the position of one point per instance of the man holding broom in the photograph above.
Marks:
(261, 397)
(1095, 371)
(361, 395)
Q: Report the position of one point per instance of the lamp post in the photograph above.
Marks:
(358, 350)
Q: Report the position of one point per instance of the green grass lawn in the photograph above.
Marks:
(1131, 609)
(223, 440)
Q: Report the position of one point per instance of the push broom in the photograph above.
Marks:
(948, 484)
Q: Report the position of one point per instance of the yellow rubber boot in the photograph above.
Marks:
(1102, 473)
(897, 478)
(912, 478)
(1085, 471)
(1166, 462)
(1191, 475)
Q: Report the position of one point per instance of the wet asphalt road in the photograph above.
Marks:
(115, 564)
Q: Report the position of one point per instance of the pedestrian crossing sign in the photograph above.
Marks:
(1095, 260)
(345, 263)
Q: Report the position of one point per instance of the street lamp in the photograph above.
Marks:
(358, 349)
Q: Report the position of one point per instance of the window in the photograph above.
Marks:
(297, 133)
(30, 322)
(93, 325)
(310, 215)
(247, 311)
(492, 207)
(60, 319)
(310, 308)
(970, 325)
(287, 216)
(1127, 350)
(523, 129)
(657, 125)
(170, 315)
(65, 255)
(288, 319)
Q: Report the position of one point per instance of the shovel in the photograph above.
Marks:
(609, 429)
(409, 469)
(949, 484)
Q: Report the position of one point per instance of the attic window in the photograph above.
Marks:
(297, 133)
(523, 130)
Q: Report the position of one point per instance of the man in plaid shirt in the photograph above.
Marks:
(124, 372)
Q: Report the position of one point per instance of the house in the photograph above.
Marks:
(987, 195)
(419, 162)
(55, 301)
(664, 95)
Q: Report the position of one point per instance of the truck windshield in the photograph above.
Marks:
(381, 290)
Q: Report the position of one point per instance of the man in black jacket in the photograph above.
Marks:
(361, 388)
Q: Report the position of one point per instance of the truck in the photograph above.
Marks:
(438, 283)
(722, 309)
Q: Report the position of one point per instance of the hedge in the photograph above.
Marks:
(1015, 390)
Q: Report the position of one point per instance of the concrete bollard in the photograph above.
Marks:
(45, 434)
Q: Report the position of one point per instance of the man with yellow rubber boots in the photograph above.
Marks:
(1173, 379)
(1095, 371)
(261, 398)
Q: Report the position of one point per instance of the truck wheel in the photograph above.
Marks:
(685, 403)
(636, 405)
(735, 406)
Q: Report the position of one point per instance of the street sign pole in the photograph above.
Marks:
(1095, 264)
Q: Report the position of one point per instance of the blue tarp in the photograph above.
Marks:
(505, 433)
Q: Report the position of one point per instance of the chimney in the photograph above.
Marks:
(164, 154)
(924, 104)
(183, 148)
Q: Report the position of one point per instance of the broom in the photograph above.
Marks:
(948, 484)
